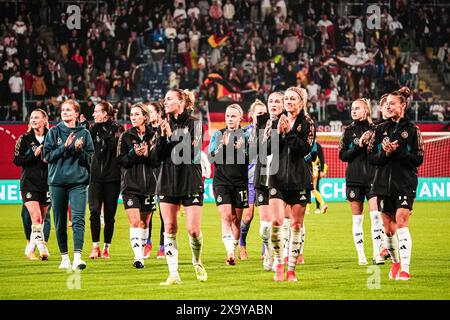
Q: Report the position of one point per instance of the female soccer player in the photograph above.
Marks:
(137, 181)
(26, 223)
(292, 184)
(359, 177)
(257, 108)
(156, 113)
(33, 180)
(228, 151)
(104, 186)
(397, 151)
(180, 180)
(68, 149)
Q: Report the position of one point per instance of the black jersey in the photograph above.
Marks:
(396, 174)
(104, 167)
(34, 169)
(261, 179)
(359, 172)
(180, 178)
(295, 169)
(230, 163)
(136, 171)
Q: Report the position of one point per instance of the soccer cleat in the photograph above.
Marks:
(404, 276)
(147, 250)
(324, 209)
(171, 280)
(138, 263)
(362, 261)
(95, 253)
(378, 260)
(44, 255)
(267, 262)
(300, 259)
(243, 253)
(105, 254)
(31, 256)
(65, 264)
(291, 277)
(231, 260)
(317, 211)
(78, 264)
(393, 273)
(200, 272)
(385, 254)
(279, 273)
(160, 255)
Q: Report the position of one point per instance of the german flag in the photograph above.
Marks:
(223, 88)
(216, 41)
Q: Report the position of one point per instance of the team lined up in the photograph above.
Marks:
(139, 163)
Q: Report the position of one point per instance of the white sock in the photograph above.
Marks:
(358, 234)
(76, 256)
(264, 231)
(144, 237)
(95, 245)
(38, 236)
(303, 236)
(136, 244)
(65, 256)
(294, 248)
(171, 251)
(228, 241)
(276, 244)
(106, 246)
(377, 232)
(392, 246)
(405, 245)
(196, 245)
(286, 236)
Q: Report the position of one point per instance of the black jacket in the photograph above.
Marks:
(226, 173)
(104, 167)
(136, 171)
(396, 174)
(295, 169)
(180, 179)
(359, 172)
(34, 169)
(261, 179)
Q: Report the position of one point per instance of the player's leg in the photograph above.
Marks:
(26, 222)
(134, 218)
(37, 234)
(300, 259)
(247, 218)
(322, 206)
(286, 235)
(47, 224)
(60, 202)
(78, 199)
(355, 197)
(160, 254)
(297, 217)
(387, 208)
(265, 228)
(112, 191)
(376, 230)
(236, 219)
(95, 196)
(169, 211)
(277, 207)
(404, 238)
(194, 208)
(225, 211)
(145, 218)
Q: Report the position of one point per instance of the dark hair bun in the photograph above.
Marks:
(405, 92)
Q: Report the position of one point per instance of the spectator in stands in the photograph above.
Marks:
(16, 87)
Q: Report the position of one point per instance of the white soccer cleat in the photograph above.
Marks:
(171, 280)
(362, 261)
(317, 211)
(378, 260)
(267, 262)
(200, 272)
(65, 264)
(78, 264)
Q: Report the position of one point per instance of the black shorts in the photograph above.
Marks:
(262, 196)
(390, 204)
(42, 197)
(236, 196)
(356, 193)
(291, 197)
(143, 203)
(195, 199)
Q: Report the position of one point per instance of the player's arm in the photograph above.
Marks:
(216, 146)
(413, 155)
(126, 156)
(86, 151)
(53, 152)
(321, 157)
(376, 154)
(348, 151)
(23, 155)
(301, 142)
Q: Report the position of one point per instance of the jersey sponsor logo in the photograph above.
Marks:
(28, 195)
(273, 191)
(404, 134)
(129, 202)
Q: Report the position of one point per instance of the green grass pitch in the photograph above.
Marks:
(331, 270)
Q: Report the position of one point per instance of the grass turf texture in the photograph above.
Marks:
(331, 270)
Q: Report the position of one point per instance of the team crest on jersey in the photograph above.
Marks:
(386, 140)
(404, 134)
(356, 141)
(299, 128)
(129, 202)
(273, 191)
(97, 138)
(33, 148)
(219, 199)
(28, 195)
(59, 141)
(260, 198)
(352, 194)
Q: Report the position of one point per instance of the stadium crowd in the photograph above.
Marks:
(131, 50)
